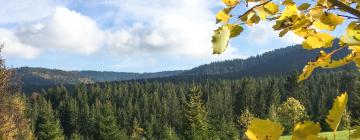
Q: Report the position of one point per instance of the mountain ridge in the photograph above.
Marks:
(275, 62)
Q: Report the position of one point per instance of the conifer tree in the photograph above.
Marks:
(107, 128)
(196, 127)
(47, 125)
(169, 133)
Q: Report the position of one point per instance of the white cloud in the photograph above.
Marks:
(173, 27)
(16, 11)
(64, 31)
(14, 47)
(263, 33)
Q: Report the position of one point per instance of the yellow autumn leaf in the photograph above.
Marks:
(322, 26)
(352, 35)
(304, 6)
(304, 32)
(288, 2)
(355, 49)
(327, 21)
(271, 8)
(235, 30)
(264, 130)
(332, 19)
(304, 130)
(308, 69)
(268, 9)
(325, 3)
(261, 12)
(356, 133)
(283, 32)
(230, 3)
(335, 114)
(223, 16)
(319, 40)
(322, 61)
(301, 22)
(289, 11)
(337, 63)
(355, 55)
(220, 39)
(250, 18)
(316, 13)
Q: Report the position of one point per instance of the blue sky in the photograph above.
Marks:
(122, 35)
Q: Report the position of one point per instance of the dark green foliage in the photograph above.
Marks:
(196, 122)
(32, 77)
(171, 110)
(276, 62)
(169, 134)
(47, 125)
(106, 124)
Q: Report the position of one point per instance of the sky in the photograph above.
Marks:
(122, 35)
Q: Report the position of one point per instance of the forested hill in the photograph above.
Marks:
(47, 77)
(278, 61)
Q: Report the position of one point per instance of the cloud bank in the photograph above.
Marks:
(171, 32)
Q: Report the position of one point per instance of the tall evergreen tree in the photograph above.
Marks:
(107, 128)
(196, 117)
(169, 133)
(47, 125)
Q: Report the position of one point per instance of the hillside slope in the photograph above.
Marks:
(47, 77)
(276, 62)
(279, 61)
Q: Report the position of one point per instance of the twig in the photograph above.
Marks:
(349, 17)
(346, 8)
(252, 8)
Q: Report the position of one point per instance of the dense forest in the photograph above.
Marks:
(202, 109)
(212, 101)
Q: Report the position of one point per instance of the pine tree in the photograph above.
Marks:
(196, 127)
(47, 125)
(354, 104)
(107, 128)
(69, 116)
(273, 114)
(169, 133)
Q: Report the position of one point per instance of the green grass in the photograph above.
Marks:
(340, 135)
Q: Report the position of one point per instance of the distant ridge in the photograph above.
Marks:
(279, 61)
(276, 62)
(31, 76)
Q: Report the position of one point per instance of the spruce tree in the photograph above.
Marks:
(107, 128)
(196, 127)
(47, 125)
(169, 133)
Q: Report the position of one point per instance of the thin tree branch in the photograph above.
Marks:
(349, 17)
(252, 8)
(345, 7)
